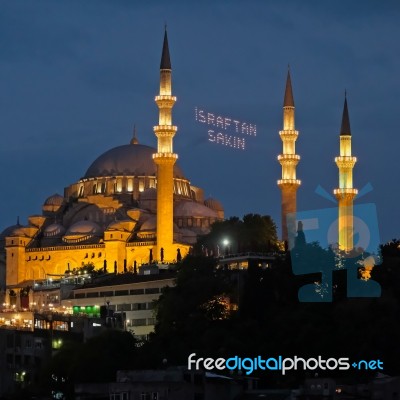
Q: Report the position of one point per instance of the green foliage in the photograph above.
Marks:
(270, 319)
(252, 233)
(97, 360)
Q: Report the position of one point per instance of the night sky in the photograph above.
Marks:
(76, 75)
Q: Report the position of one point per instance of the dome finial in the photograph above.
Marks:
(134, 138)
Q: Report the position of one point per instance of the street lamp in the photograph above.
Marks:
(225, 242)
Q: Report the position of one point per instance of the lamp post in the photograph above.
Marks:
(225, 242)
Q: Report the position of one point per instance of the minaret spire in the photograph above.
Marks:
(165, 157)
(288, 100)
(345, 193)
(345, 128)
(289, 160)
(165, 59)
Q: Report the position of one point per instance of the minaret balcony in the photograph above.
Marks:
(345, 161)
(289, 157)
(345, 191)
(165, 97)
(165, 130)
(287, 182)
(165, 156)
(165, 101)
(289, 134)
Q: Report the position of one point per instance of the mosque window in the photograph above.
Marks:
(115, 187)
(141, 184)
(81, 191)
(180, 222)
(189, 222)
(103, 187)
(119, 185)
(95, 188)
(130, 184)
(99, 254)
(152, 183)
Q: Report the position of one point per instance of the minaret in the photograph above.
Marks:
(289, 160)
(345, 193)
(165, 157)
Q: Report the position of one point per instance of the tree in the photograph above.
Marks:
(254, 233)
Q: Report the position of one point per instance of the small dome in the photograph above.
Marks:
(10, 231)
(214, 204)
(54, 230)
(84, 228)
(54, 200)
(129, 159)
(193, 209)
(19, 232)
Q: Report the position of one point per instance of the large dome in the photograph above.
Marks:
(129, 159)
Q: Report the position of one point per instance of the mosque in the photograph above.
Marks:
(133, 205)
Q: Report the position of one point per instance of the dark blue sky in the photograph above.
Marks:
(75, 76)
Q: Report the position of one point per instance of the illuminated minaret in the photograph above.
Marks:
(165, 157)
(345, 193)
(289, 160)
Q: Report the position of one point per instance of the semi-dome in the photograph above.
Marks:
(83, 231)
(148, 194)
(129, 159)
(193, 209)
(54, 230)
(84, 228)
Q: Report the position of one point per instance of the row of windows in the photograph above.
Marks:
(195, 222)
(141, 322)
(112, 293)
(20, 361)
(135, 306)
(118, 185)
(27, 343)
